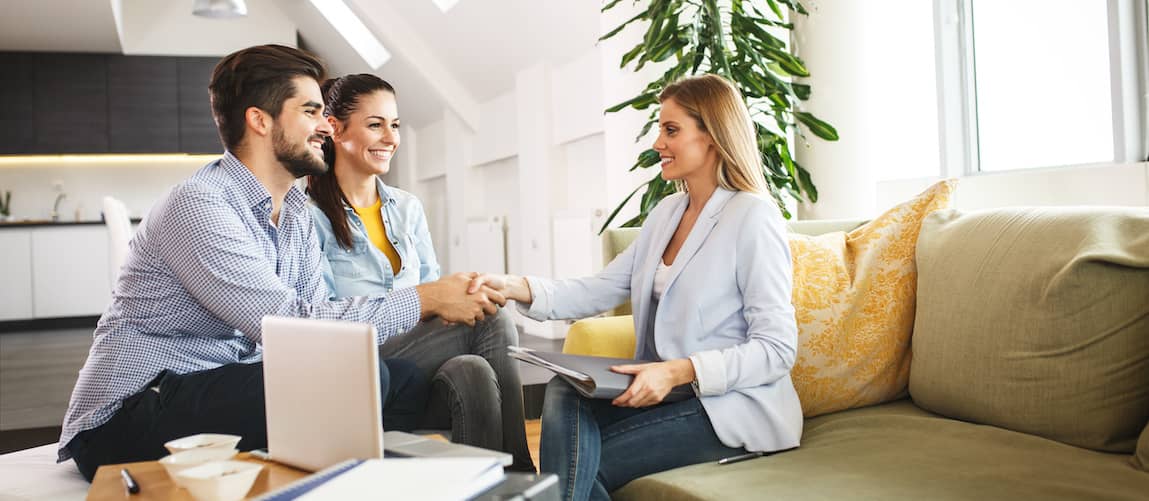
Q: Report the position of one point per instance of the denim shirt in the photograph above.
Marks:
(364, 269)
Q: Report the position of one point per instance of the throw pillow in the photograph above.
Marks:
(854, 303)
(1036, 320)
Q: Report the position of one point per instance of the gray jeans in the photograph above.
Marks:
(475, 388)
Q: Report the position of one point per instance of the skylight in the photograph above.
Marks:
(354, 31)
(445, 5)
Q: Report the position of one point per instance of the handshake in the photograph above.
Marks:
(468, 298)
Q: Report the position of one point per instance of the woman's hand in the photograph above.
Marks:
(652, 381)
(510, 286)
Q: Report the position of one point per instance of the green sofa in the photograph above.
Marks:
(1029, 378)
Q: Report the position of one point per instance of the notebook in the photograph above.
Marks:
(420, 478)
(590, 376)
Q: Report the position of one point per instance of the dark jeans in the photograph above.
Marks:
(227, 399)
(595, 447)
(475, 388)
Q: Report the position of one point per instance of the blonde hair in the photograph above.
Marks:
(718, 109)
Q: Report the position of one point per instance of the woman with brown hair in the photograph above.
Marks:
(374, 239)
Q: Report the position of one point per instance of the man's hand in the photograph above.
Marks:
(652, 381)
(510, 286)
(449, 299)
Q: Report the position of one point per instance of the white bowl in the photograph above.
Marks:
(220, 480)
(183, 460)
(203, 441)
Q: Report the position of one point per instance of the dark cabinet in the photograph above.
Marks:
(17, 81)
(105, 103)
(71, 103)
(142, 113)
(197, 128)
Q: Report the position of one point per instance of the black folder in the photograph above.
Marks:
(591, 376)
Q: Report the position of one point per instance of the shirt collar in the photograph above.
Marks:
(253, 192)
(384, 195)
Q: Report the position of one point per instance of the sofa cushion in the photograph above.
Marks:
(1141, 459)
(1036, 320)
(898, 451)
(854, 303)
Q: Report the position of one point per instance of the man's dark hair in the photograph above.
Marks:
(260, 76)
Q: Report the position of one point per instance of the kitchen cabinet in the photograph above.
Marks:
(16, 270)
(70, 271)
(70, 94)
(16, 99)
(105, 103)
(143, 97)
(197, 128)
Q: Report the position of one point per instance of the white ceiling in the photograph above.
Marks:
(477, 46)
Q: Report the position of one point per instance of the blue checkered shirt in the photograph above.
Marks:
(204, 268)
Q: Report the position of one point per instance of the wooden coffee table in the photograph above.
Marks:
(155, 484)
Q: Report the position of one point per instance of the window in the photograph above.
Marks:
(1040, 83)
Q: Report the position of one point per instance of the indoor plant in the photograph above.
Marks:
(6, 206)
(739, 40)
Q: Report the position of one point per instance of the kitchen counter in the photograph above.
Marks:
(33, 223)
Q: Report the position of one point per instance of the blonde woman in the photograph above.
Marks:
(709, 279)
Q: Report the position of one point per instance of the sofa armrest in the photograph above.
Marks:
(604, 337)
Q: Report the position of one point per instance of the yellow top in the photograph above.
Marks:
(373, 220)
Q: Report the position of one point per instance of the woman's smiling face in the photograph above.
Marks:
(368, 139)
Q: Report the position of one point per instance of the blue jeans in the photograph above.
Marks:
(595, 447)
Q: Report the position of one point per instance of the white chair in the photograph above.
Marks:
(119, 234)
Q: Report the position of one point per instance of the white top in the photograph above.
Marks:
(661, 277)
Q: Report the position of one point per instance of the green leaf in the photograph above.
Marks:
(645, 130)
(774, 7)
(611, 33)
(639, 102)
(802, 91)
(609, 5)
(817, 126)
(616, 209)
(807, 184)
(646, 159)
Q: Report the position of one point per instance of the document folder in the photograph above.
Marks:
(590, 376)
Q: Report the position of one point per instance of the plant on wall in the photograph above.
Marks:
(737, 39)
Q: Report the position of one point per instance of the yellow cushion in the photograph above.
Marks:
(854, 302)
(602, 337)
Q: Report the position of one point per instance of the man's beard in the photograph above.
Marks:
(299, 161)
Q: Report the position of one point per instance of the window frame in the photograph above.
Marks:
(957, 95)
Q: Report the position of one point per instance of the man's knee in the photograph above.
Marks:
(502, 326)
(467, 373)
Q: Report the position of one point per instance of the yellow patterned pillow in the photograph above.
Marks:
(854, 301)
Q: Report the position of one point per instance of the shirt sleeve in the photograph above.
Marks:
(429, 270)
(220, 263)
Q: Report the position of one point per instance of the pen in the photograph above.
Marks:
(741, 457)
(129, 482)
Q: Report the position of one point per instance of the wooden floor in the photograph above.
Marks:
(533, 428)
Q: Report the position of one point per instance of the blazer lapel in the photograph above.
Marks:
(641, 297)
(698, 234)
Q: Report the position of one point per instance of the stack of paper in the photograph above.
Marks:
(445, 479)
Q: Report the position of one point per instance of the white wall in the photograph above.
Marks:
(137, 181)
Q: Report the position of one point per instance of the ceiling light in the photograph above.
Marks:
(445, 5)
(354, 31)
(220, 8)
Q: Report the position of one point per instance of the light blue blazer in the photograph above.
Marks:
(726, 306)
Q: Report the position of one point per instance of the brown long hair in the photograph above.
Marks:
(717, 108)
(258, 76)
(341, 99)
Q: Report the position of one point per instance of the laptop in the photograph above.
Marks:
(321, 386)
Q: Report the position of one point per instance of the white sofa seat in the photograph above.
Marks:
(34, 474)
